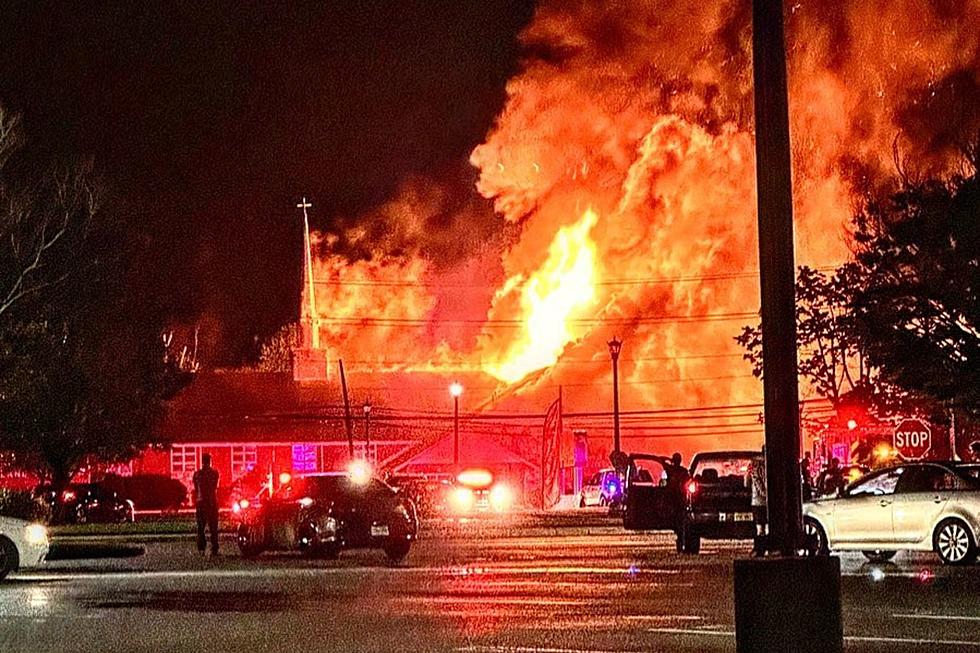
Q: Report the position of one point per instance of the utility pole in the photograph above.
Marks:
(777, 277)
(615, 346)
(456, 389)
(787, 603)
(367, 431)
(348, 422)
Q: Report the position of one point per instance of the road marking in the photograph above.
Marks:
(910, 640)
(940, 617)
(535, 649)
(847, 638)
(491, 600)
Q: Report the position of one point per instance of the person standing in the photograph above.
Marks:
(831, 480)
(760, 512)
(206, 504)
(677, 477)
(806, 477)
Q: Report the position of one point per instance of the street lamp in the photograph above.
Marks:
(455, 389)
(615, 346)
(367, 431)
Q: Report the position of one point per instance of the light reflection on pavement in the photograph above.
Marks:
(563, 592)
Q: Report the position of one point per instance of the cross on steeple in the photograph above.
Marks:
(308, 246)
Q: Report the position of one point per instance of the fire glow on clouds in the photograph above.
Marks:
(624, 161)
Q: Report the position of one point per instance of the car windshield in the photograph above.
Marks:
(722, 468)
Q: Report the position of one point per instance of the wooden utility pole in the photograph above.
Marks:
(348, 421)
(777, 276)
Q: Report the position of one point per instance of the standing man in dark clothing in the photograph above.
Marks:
(677, 478)
(206, 504)
(806, 477)
(831, 480)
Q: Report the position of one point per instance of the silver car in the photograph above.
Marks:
(917, 506)
(22, 544)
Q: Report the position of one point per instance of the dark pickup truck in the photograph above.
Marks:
(719, 499)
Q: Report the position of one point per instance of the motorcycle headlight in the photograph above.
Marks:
(36, 534)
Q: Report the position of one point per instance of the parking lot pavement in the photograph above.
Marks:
(538, 589)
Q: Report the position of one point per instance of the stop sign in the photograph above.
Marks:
(913, 438)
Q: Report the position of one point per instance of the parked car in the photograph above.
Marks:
(322, 514)
(918, 506)
(479, 491)
(604, 488)
(23, 544)
(82, 503)
(430, 494)
(719, 500)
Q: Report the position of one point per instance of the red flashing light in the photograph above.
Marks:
(852, 424)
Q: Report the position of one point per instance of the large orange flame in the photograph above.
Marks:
(554, 294)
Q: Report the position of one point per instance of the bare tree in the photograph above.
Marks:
(42, 217)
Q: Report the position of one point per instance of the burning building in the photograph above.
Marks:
(621, 177)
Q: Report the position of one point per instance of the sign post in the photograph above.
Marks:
(913, 438)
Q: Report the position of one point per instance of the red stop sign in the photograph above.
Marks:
(913, 438)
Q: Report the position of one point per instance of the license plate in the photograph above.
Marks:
(379, 531)
(735, 516)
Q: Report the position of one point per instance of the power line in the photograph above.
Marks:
(516, 323)
(720, 276)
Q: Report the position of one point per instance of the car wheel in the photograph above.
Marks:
(879, 556)
(816, 538)
(581, 502)
(247, 543)
(954, 543)
(603, 502)
(9, 559)
(396, 550)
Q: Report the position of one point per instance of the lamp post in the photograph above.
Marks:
(615, 346)
(455, 389)
(367, 431)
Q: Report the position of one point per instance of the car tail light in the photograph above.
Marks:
(692, 487)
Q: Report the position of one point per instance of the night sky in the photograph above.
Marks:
(210, 122)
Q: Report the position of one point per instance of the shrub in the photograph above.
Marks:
(22, 505)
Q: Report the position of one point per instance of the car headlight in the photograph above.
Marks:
(501, 497)
(36, 534)
(463, 499)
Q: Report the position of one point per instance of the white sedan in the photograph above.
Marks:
(917, 506)
(22, 545)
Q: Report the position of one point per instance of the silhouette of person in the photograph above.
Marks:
(206, 504)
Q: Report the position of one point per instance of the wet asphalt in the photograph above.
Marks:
(525, 585)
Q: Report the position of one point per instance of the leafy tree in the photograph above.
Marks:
(917, 314)
(830, 352)
(83, 370)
